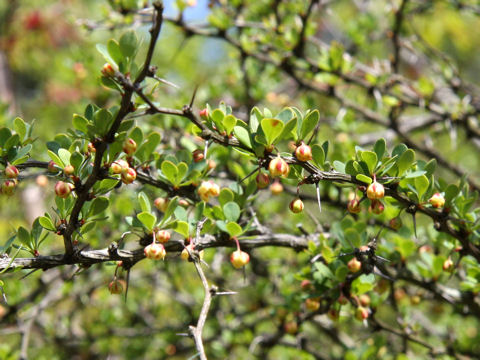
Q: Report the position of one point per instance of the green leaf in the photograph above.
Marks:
(182, 171)
(309, 123)
(80, 123)
(288, 128)
(243, 136)
(364, 178)
(76, 159)
(318, 155)
(217, 117)
(399, 150)
(339, 166)
(128, 44)
(229, 123)
(64, 156)
(379, 148)
(144, 202)
(430, 167)
(102, 120)
(114, 51)
(102, 49)
(99, 204)
(272, 128)
(24, 236)
(20, 127)
(46, 223)
(421, 184)
(226, 195)
(172, 205)
(182, 228)
(451, 192)
(170, 171)
(234, 229)
(370, 159)
(148, 219)
(405, 161)
(231, 211)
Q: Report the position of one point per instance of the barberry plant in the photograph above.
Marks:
(369, 225)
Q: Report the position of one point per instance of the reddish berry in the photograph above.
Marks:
(262, 180)
(303, 152)
(63, 189)
(155, 251)
(296, 206)
(278, 167)
(239, 259)
(342, 299)
(129, 146)
(306, 285)
(11, 172)
(375, 191)
(91, 148)
(437, 200)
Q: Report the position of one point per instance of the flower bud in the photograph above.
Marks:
(296, 206)
(190, 248)
(376, 207)
(91, 148)
(437, 200)
(155, 251)
(11, 172)
(361, 313)
(204, 114)
(108, 70)
(395, 223)
(129, 146)
(161, 204)
(52, 167)
(63, 189)
(303, 152)
(375, 191)
(353, 206)
(129, 176)
(278, 167)
(162, 236)
(276, 188)
(312, 304)
(364, 300)
(448, 265)
(333, 314)
(115, 287)
(8, 187)
(262, 180)
(342, 299)
(119, 166)
(354, 265)
(198, 155)
(68, 170)
(239, 259)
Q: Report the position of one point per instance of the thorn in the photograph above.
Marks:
(318, 197)
(414, 225)
(193, 96)
(205, 150)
